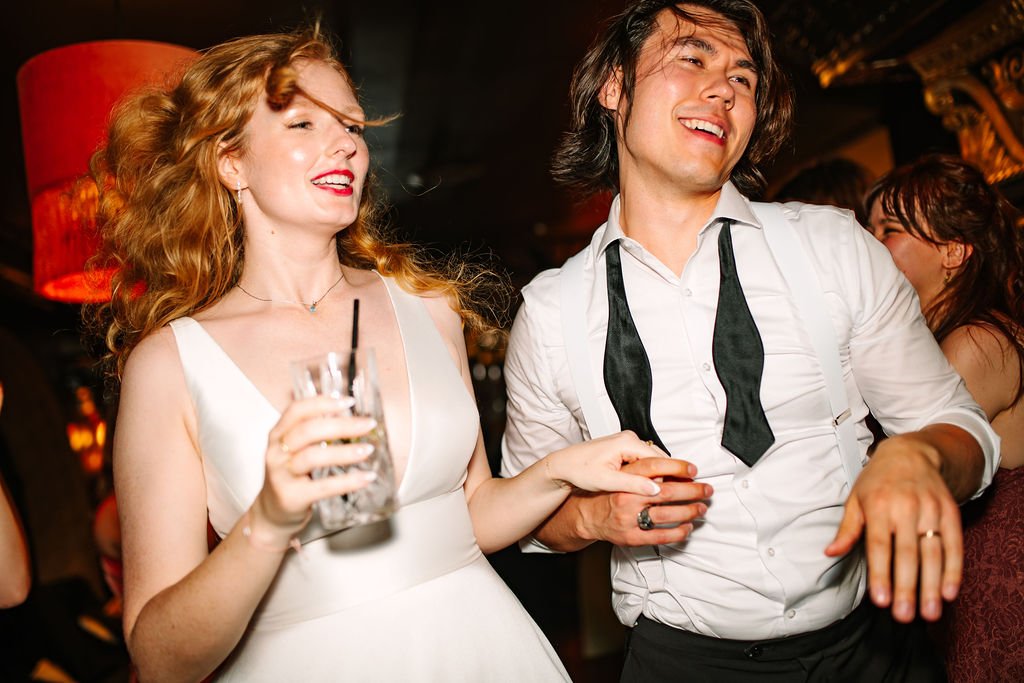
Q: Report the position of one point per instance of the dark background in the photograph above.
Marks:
(482, 93)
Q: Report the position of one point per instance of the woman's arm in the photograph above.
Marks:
(185, 610)
(15, 575)
(505, 510)
(988, 365)
(982, 357)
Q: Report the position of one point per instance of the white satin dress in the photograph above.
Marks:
(410, 599)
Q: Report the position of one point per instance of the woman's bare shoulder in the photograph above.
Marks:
(153, 372)
(156, 350)
(980, 345)
(988, 363)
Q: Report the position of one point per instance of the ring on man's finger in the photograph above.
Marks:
(283, 446)
(931, 533)
(643, 519)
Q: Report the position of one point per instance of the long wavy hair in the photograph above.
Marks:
(586, 159)
(941, 199)
(174, 233)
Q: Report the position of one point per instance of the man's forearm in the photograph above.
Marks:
(587, 517)
(952, 451)
(561, 531)
(961, 461)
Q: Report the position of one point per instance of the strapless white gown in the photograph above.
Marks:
(411, 599)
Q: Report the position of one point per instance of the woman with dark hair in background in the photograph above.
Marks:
(958, 241)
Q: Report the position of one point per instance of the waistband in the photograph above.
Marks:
(420, 542)
(774, 649)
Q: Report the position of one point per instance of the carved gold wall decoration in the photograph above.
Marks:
(982, 146)
(1007, 77)
(985, 112)
(989, 29)
(987, 137)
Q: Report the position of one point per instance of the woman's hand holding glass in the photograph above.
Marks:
(352, 375)
(596, 465)
(310, 436)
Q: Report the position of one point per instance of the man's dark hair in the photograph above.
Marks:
(586, 159)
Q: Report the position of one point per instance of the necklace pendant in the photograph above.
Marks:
(312, 307)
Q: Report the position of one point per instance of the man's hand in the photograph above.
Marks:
(911, 525)
(588, 517)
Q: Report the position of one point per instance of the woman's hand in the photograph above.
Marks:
(596, 465)
(305, 438)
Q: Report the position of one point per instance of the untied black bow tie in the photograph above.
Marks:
(738, 354)
(737, 351)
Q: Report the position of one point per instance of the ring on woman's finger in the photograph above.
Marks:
(643, 519)
(283, 446)
(931, 533)
(649, 442)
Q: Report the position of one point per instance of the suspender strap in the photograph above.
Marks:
(574, 332)
(807, 293)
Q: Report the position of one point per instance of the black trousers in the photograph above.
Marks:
(868, 646)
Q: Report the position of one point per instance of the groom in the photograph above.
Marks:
(748, 341)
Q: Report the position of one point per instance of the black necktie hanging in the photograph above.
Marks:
(627, 371)
(738, 355)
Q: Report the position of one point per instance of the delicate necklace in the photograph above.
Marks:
(310, 306)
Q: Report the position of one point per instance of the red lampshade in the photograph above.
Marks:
(65, 96)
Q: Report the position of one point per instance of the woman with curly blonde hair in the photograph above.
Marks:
(236, 208)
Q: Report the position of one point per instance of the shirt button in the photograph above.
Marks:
(745, 484)
(706, 367)
(790, 614)
(771, 552)
(687, 292)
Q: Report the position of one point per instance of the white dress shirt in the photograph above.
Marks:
(755, 567)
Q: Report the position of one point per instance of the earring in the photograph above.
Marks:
(238, 189)
(949, 276)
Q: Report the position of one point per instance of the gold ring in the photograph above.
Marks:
(283, 446)
(931, 533)
(649, 442)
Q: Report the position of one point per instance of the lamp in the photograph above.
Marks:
(65, 96)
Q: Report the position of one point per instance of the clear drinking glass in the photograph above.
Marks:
(351, 373)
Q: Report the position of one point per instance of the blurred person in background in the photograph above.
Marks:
(959, 242)
(836, 182)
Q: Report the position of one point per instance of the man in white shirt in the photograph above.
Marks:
(747, 563)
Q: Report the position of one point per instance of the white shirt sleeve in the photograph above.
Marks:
(538, 421)
(899, 368)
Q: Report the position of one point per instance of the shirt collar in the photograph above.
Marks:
(731, 205)
(612, 229)
(734, 206)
